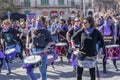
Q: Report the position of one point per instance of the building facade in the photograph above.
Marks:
(49, 8)
(107, 5)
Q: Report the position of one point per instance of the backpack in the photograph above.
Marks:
(39, 38)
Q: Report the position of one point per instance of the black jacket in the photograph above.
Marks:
(88, 42)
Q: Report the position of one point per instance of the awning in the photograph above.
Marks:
(61, 13)
(54, 13)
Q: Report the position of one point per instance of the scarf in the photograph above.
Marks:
(89, 31)
(76, 28)
(6, 30)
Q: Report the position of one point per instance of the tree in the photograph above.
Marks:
(11, 7)
(7, 5)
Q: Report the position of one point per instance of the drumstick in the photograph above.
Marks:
(79, 52)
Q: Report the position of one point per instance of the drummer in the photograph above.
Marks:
(10, 40)
(107, 30)
(87, 37)
(62, 30)
(77, 25)
(1, 53)
(1, 57)
(43, 44)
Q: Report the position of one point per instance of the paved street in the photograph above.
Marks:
(61, 72)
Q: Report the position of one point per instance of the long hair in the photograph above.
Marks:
(91, 21)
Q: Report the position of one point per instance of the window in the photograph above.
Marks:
(72, 3)
(60, 2)
(44, 2)
(27, 3)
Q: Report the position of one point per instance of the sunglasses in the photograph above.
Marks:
(85, 22)
(77, 21)
(6, 24)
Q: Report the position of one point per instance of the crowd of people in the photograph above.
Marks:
(89, 35)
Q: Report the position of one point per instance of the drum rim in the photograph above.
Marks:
(60, 44)
(26, 61)
(110, 46)
(10, 49)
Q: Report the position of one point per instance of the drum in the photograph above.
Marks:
(33, 60)
(61, 49)
(61, 44)
(10, 54)
(112, 51)
(88, 62)
(108, 40)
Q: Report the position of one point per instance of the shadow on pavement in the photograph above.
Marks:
(13, 76)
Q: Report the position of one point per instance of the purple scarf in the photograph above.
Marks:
(6, 30)
(89, 31)
(76, 28)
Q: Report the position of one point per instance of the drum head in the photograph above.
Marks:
(60, 44)
(112, 46)
(9, 51)
(32, 59)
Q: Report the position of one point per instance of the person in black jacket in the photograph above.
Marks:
(10, 39)
(87, 37)
(77, 26)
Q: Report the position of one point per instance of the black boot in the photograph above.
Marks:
(114, 63)
(104, 65)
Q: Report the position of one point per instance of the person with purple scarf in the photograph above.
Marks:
(42, 45)
(9, 39)
(61, 31)
(88, 36)
(107, 30)
(2, 56)
(72, 31)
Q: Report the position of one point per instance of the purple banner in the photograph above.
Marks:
(30, 17)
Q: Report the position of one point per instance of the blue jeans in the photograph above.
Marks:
(98, 46)
(42, 68)
(17, 50)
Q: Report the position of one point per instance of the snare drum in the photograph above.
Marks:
(88, 62)
(10, 53)
(112, 51)
(33, 60)
(61, 44)
(61, 49)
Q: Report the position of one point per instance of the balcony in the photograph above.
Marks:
(35, 5)
(107, 0)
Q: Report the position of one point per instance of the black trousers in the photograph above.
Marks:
(80, 71)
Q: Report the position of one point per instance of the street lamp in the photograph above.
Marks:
(84, 7)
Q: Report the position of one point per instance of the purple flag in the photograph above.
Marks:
(30, 17)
